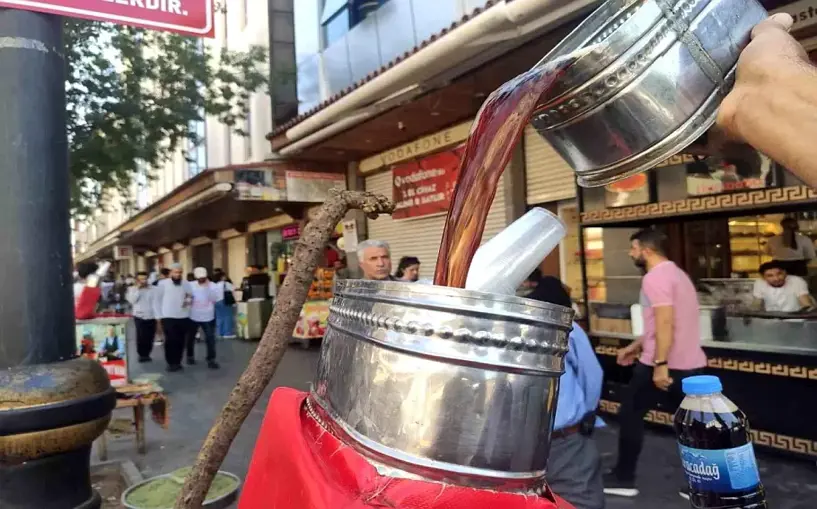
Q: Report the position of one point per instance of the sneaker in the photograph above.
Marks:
(145, 359)
(684, 492)
(613, 485)
(213, 365)
(229, 336)
(172, 368)
(191, 361)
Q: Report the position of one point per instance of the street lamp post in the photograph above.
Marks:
(52, 406)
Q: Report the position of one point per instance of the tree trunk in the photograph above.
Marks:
(273, 344)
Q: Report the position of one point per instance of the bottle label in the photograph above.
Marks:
(720, 470)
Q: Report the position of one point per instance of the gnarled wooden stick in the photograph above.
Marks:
(274, 341)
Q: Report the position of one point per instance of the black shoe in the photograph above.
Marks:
(172, 368)
(614, 485)
(213, 365)
(191, 361)
(145, 359)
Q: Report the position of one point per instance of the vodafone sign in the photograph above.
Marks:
(187, 17)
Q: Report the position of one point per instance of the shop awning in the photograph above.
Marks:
(223, 199)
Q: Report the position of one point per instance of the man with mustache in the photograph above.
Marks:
(174, 297)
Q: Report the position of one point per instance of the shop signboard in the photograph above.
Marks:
(186, 17)
(260, 184)
(310, 186)
(714, 175)
(350, 239)
(105, 340)
(804, 13)
(425, 186)
(291, 232)
(122, 252)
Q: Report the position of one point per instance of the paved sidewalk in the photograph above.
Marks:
(197, 395)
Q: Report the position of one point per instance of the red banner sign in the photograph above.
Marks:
(187, 17)
(425, 186)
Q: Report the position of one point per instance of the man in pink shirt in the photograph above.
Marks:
(667, 352)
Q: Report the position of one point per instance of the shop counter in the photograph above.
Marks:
(769, 371)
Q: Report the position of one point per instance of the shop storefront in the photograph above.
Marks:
(420, 178)
(720, 215)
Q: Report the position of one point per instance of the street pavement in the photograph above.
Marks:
(197, 395)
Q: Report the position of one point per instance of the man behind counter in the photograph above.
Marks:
(780, 292)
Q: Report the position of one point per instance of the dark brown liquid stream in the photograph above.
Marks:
(497, 129)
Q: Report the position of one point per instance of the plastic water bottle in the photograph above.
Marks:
(716, 449)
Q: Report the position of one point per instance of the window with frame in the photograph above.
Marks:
(340, 16)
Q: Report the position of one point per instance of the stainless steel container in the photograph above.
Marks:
(650, 85)
(443, 383)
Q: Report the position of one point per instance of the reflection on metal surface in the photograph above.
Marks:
(443, 383)
(43, 384)
(650, 86)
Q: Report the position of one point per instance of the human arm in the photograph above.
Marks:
(588, 373)
(132, 295)
(659, 293)
(800, 288)
(773, 105)
(158, 292)
(627, 355)
(216, 292)
(808, 249)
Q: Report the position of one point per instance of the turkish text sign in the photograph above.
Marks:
(186, 17)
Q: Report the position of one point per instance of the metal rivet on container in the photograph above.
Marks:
(531, 343)
(428, 329)
(482, 336)
(462, 334)
(412, 327)
(445, 332)
(516, 342)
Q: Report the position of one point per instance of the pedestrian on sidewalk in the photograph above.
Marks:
(203, 315)
(142, 298)
(174, 296)
(574, 466)
(225, 308)
(668, 351)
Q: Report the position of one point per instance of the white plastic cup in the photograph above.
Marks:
(504, 262)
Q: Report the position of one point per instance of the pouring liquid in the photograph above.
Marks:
(497, 129)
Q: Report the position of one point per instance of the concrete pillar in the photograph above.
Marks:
(219, 255)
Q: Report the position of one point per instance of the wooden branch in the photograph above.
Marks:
(273, 344)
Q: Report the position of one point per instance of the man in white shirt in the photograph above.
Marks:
(174, 296)
(203, 315)
(779, 291)
(142, 297)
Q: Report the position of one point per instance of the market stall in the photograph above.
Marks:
(315, 312)
(719, 214)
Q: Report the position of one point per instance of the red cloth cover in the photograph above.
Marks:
(296, 464)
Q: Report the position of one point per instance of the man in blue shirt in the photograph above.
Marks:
(574, 465)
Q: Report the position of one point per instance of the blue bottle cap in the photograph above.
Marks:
(701, 385)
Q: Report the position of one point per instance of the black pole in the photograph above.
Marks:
(52, 406)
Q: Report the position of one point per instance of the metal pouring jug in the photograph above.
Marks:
(649, 84)
(441, 383)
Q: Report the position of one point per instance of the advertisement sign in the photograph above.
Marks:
(291, 232)
(350, 239)
(261, 184)
(633, 190)
(105, 340)
(277, 184)
(715, 175)
(425, 186)
(186, 17)
(804, 13)
(312, 321)
(308, 186)
(122, 252)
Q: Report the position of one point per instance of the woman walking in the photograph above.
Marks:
(225, 308)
